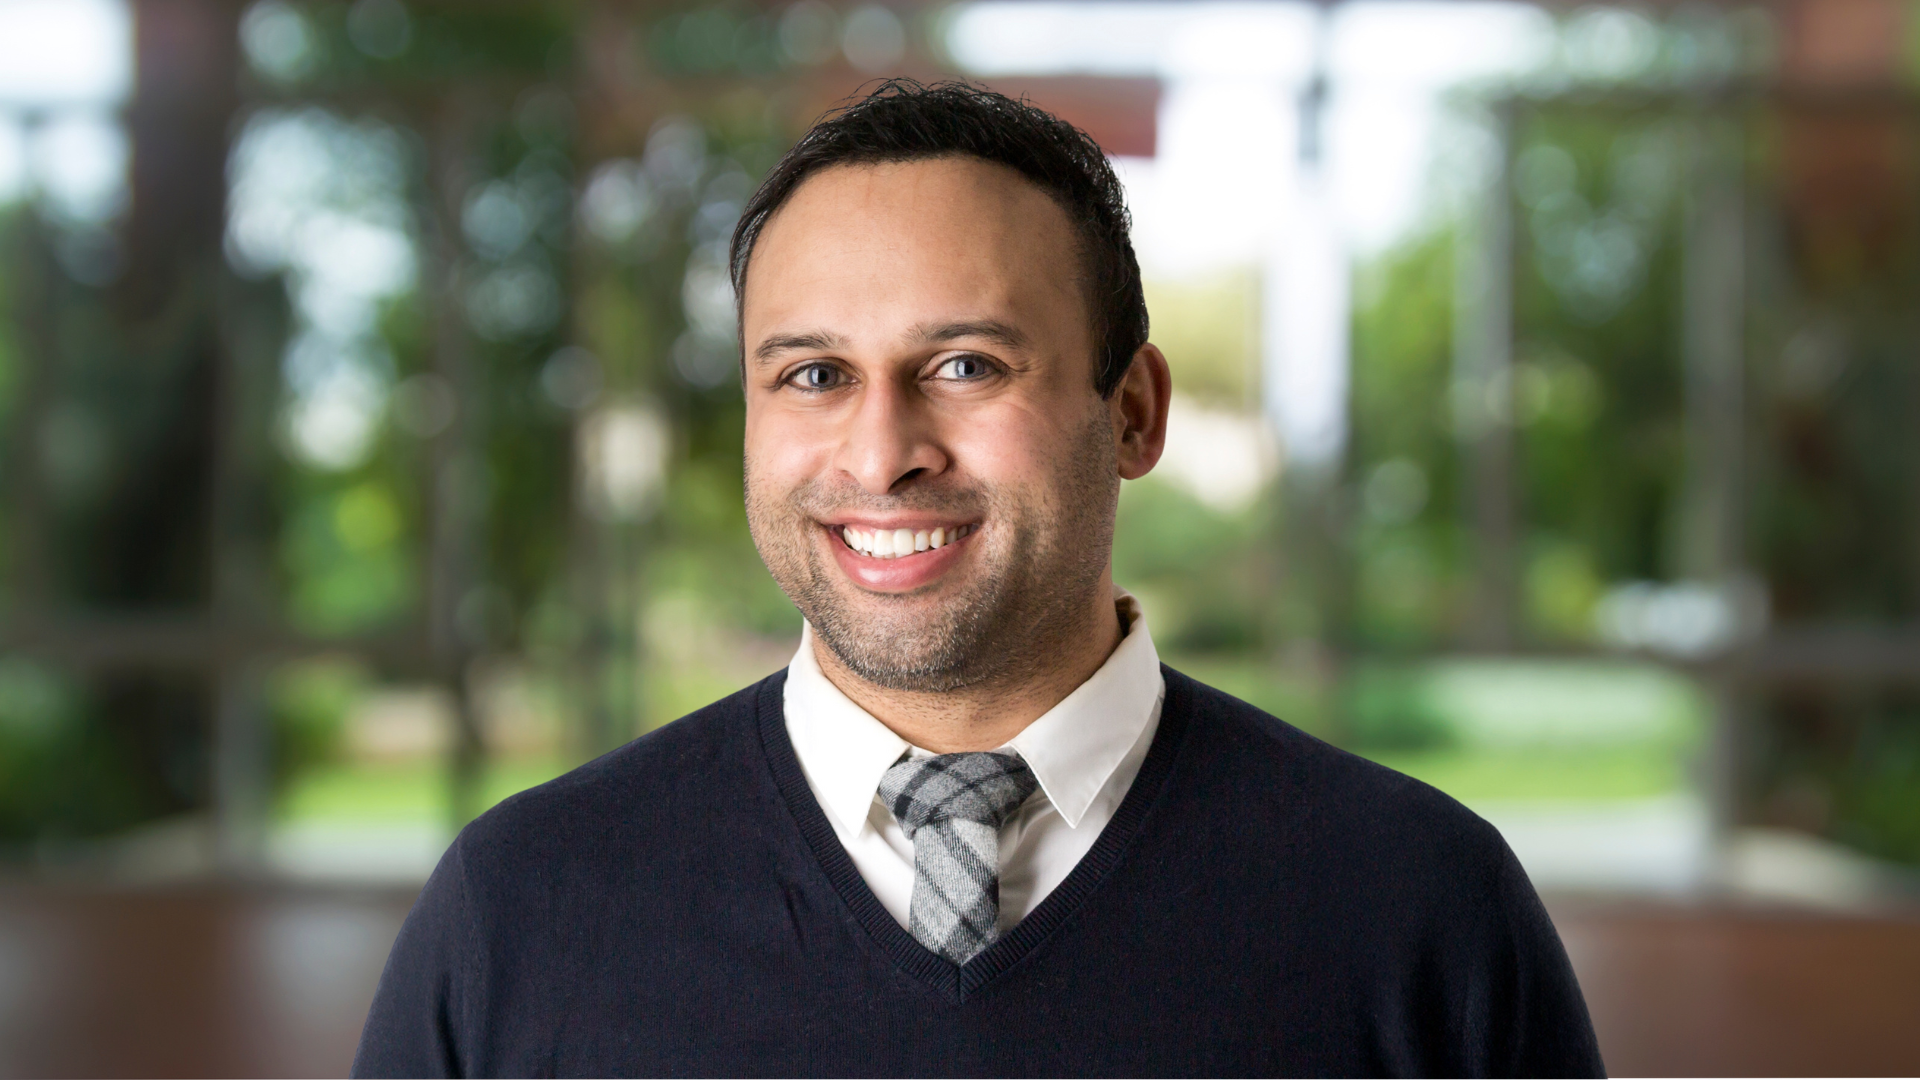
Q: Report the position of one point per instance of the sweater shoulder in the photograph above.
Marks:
(1399, 884)
(1333, 790)
(635, 789)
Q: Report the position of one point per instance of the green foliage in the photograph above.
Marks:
(1598, 366)
(1836, 522)
(10, 367)
(705, 552)
(347, 559)
(339, 48)
(308, 704)
(1198, 572)
(1878, 809)
(519, 436)
(1403, 356)
(1408, 583)
(1295, 697)
(1843, 764)
(716, 39)
(1562, 587)
(1408, 556)
(67, 770)
(1391, 708)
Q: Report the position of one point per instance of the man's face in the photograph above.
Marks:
(931, 475)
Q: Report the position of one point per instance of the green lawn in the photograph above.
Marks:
(1475, 775)
(1487, 762)
(400, 791)
(1291, 698)
(1508, 730)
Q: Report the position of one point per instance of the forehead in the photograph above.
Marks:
(914, 240)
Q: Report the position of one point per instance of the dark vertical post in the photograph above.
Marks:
(170, 522)
(455, 471)
(611, 540)
(1314, 601)
(1483, 393)
(186, 56)
(34, 295)
(1713, 352)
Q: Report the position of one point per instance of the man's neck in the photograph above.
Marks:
(989, 714)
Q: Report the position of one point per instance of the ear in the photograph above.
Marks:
(1139, 407)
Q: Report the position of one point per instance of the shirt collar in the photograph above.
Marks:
(1072, 749)
(1075, 746)
(842, 748)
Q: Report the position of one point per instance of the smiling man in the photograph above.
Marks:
(975, 827)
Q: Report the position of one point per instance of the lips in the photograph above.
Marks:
(899, 559)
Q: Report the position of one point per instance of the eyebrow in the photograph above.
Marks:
(810, 340)
(993, 330)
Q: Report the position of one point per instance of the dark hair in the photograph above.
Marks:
(903, 120)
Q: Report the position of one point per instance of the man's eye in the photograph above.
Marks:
(817, 377)
(964, 367)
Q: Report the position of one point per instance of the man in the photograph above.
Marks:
(975, 827)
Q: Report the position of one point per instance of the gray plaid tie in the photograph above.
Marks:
(952, 807)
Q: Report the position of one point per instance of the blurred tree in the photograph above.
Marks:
(1408, 551)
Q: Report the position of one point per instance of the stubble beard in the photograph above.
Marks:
(1041, 559)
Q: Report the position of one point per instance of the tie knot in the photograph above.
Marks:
(983, 787)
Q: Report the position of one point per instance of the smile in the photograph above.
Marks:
(894, 543)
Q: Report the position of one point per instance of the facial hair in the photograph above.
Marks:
(1039, 558)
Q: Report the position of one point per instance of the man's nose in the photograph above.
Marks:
(890, 439)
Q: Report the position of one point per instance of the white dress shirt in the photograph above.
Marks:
(1085, 752)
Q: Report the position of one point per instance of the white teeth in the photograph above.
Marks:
(893, 543)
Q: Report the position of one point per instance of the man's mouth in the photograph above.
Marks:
(894, 543)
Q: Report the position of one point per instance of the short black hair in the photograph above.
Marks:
(903, 120)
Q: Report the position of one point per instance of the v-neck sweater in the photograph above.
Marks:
(1261, 904)
(1084, 751)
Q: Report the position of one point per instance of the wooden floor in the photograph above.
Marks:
(1704, 992)
(274, 982)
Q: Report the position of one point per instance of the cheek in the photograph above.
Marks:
(1014, 447)
(782, 451)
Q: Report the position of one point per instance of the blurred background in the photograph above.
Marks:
(1547, 426)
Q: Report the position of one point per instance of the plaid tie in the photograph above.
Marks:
(952, 807)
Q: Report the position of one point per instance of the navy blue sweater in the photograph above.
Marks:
(1262, 903)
